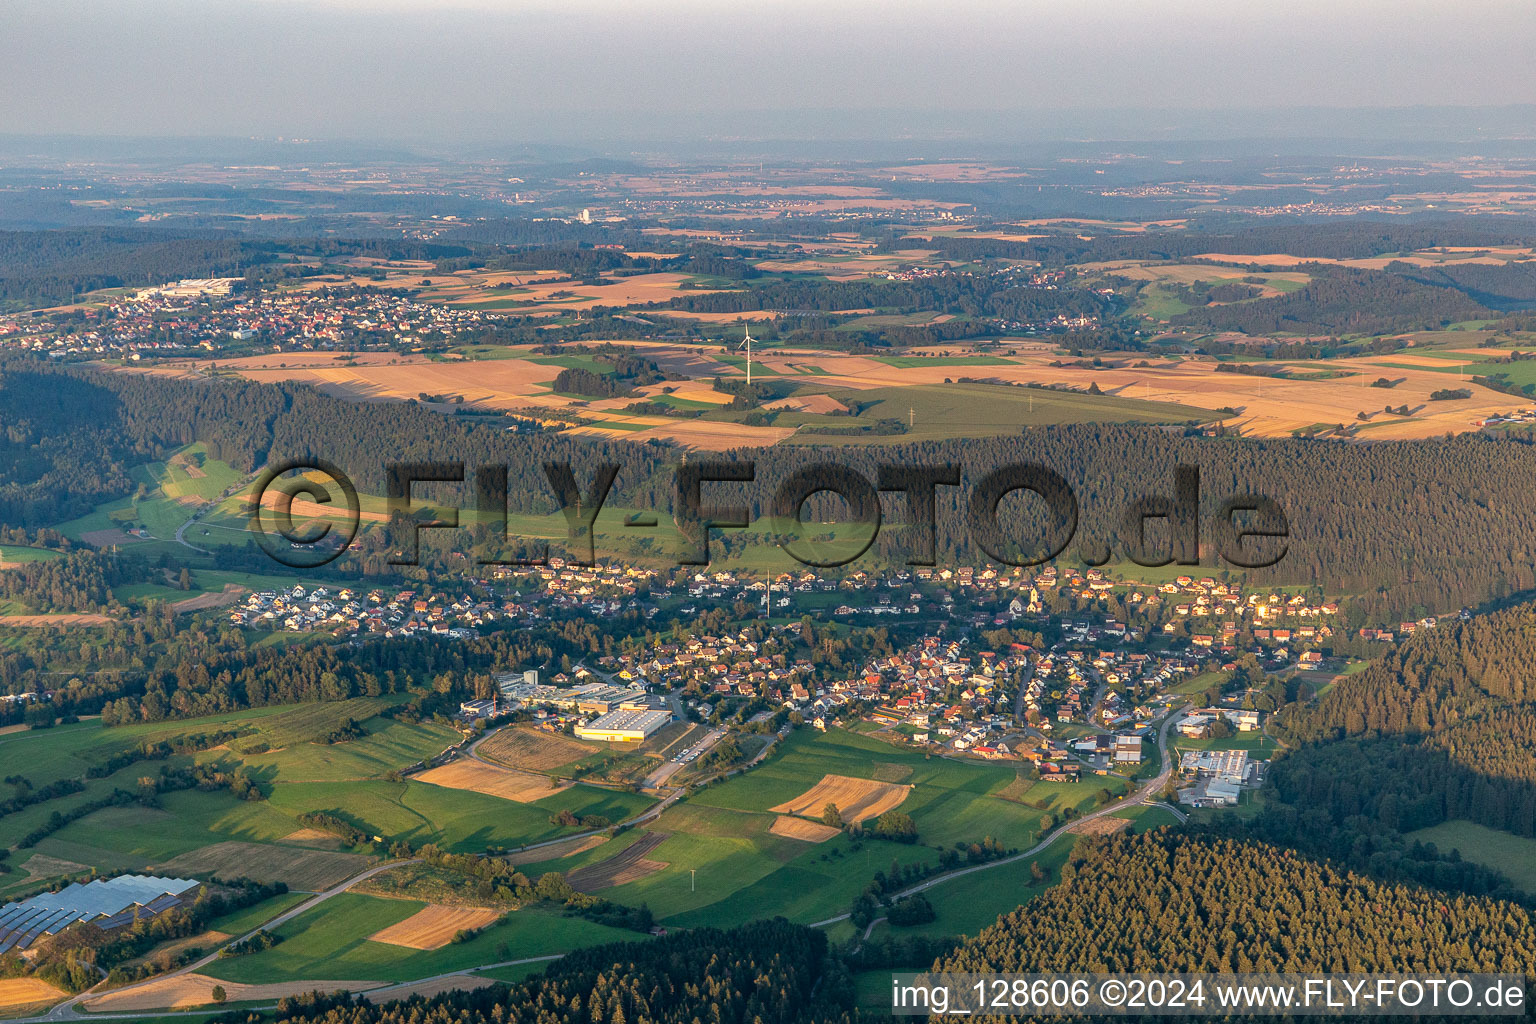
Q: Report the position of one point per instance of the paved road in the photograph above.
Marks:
(66, 1010)
(1018, 698)
(1139, 796)
(400, 991)
(182, 540)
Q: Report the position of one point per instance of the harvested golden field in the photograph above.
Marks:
(40, 865)
(507, 783)
(312, 837)
(1189, 274)
(628, 865)
(856, 799)
(1107, 825)
(18, 992)
(214, 599)
(1263, 406)
(1117, 225)
(822, 405)
(848, 268)
(690, 391)
(55, 619)
(1427, 259)
(434, 926)
(187, 990)
(954, 170)
(303, 508)
(799, 828)
(560, 296)
(722, 318)
(533, 749)
(300, 869)
(556, 851)
(711, 436)
(499, 383)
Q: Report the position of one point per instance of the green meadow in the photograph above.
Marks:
(723, 865)
(20, 555)
(297, 771)
(331, 941)
(1514, 856)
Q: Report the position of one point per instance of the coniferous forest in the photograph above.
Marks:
(1409, 527)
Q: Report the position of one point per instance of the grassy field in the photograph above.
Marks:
(456, 819)
(331, 941)
(1144, 817)
(192, 473)
(945, 411)
(973, 902)
(67, 751)
(907, 362)
(300, 869)
(186, 821)
(20, 555)
(723, 865)
(206, 832)
(950, 801)
(389, 745)
(1512, 855)
(242, 921)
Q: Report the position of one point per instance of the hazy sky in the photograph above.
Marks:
(497, 71)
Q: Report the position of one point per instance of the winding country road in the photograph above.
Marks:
(1139, 796)
(67, 1011)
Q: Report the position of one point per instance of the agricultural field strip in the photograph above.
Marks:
(1129, 800)
(1137, 797)
(67, 1008)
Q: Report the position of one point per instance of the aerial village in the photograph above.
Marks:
(1071, 671)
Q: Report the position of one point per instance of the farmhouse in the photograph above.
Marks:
(621, 726)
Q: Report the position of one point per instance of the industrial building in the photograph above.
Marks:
(107, 903)
(1218, 777)
(593, 698)
(622, 726)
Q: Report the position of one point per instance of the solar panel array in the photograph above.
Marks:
(110, 902)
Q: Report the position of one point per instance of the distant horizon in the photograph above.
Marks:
(973, 133)
(481, 71)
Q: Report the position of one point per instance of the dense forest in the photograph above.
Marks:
(43, 268)
(1356, 238)
(1341, 300)
(1500, 285)
(1412, 527)
(1442, 727)
(1165, 901)
(768, 972)
(958, 295)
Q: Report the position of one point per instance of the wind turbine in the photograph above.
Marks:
(747, 344)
